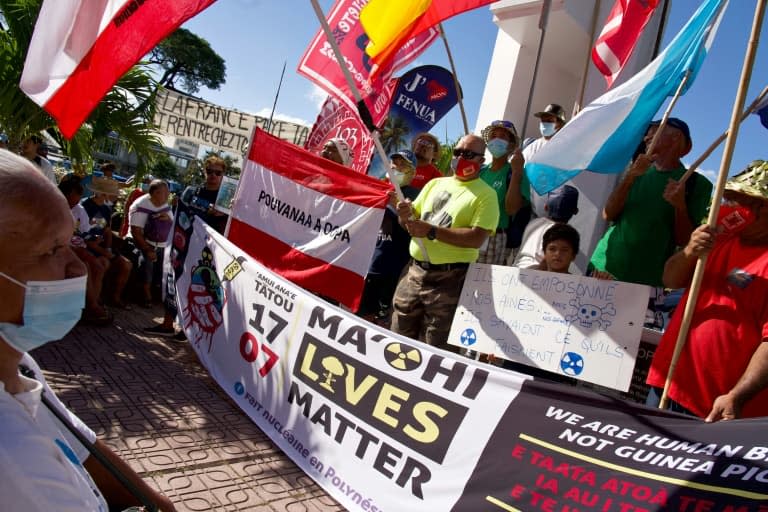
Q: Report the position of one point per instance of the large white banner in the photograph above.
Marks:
(207, 124)
(584, 328)
(382, 422)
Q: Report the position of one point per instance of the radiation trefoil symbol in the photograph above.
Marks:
(402, 357)
(468, 337)
(572, 364)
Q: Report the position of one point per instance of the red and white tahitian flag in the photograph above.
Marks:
(81, 48)
(311, 220)
(620, 34)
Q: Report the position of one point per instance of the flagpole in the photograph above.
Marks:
(583, 87)
(455, 78)
(725, 164)
(363, 110)
(665, 117)
(695, 165)
(277, 93)
(543, 20)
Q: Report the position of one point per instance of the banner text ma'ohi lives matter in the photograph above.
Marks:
(385, 423)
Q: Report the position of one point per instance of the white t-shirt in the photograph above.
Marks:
(40, 464)
(47, 169)
(531, 252)
(82, 222)
(139, 219)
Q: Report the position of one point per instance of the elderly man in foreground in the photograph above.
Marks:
(42, 282)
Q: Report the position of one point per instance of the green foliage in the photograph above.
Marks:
(446, 154)
(188, 62)
(127, 109)
(164, 168)
(393, 134)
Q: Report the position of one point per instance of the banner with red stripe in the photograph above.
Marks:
(311, 220)
(80, 49)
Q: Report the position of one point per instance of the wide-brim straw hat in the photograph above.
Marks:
(752, 181)
(104, 186)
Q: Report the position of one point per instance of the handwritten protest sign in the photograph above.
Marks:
(572, 325)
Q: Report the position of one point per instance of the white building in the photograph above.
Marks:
(565, 67)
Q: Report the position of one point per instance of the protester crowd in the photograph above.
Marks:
(427, 241)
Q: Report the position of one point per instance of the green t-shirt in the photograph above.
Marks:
(642, 238)
(448, 202)
(497, 180)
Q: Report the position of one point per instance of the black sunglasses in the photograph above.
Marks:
(213, 171)
(467, 154)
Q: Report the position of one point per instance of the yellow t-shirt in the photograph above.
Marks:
(450, 203)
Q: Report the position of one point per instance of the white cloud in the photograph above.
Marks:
(709, 174)
(265, 112)
(317, 96)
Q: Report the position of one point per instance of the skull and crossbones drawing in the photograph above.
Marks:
(587, 315)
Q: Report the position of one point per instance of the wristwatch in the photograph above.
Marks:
(432, 233)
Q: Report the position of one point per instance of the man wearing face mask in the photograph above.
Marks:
(42, 283)
(551, 120)
(722, 372)
(651, 213)
(501, 138)
(453, 216)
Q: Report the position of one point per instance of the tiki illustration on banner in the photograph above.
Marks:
(423, 96)
(205, 300)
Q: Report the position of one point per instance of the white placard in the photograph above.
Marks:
(584, 328)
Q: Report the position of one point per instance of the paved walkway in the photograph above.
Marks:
(152, 402)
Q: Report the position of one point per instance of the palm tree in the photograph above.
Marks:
(127, 109)
(393, 133)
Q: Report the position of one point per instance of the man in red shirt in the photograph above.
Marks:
(722, 372)
(426, 148)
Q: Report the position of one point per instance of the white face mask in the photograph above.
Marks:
(51, 310)
(547, 129)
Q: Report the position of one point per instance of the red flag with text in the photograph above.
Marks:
(311, 220)
(337, 120)
(319, 62)
(80, 49)
(394, 22)
(620, 34)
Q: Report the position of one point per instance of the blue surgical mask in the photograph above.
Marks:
(547, 129)
(498, 147)
(51, 310)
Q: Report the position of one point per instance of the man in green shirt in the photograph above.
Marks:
(651, 213)
(501, 139)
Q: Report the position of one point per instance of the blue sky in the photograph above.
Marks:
(255, 37)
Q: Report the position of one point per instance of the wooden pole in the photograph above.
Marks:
(543, 20)
(359, 99)
(695, 165)
(725, 164)
(455, 78)
(657, 134)
(585, 73)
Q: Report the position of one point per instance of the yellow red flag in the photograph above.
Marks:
(389, 24)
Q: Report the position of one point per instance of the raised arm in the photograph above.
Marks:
(678, 270)
(615, 203)
(514, 200)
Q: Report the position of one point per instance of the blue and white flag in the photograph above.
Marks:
(604, 135)
(762, 110)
